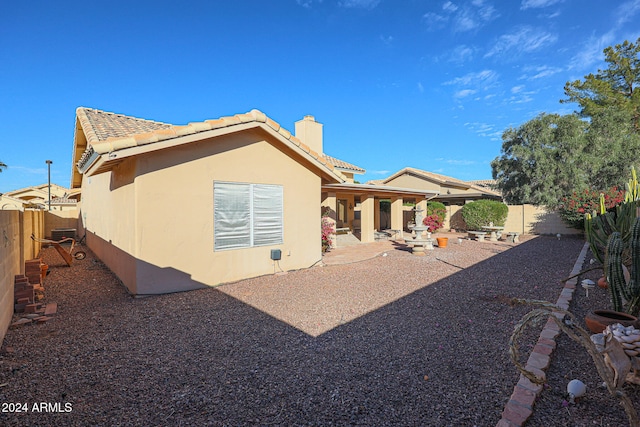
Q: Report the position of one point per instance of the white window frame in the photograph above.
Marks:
(259, 220)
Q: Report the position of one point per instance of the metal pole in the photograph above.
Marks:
(49, 173)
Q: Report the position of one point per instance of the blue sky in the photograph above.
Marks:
(420, 83)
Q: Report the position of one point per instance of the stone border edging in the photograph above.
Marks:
(520, 406)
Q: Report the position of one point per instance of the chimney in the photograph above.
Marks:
(310, 132)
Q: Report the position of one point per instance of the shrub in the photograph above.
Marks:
(436, 214)
(484, 212)
(573, 208)
(328, 229)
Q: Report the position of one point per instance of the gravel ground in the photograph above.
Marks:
(396, 340)
(569, 361)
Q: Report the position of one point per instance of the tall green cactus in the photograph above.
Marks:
(599, 226)
(620, 290)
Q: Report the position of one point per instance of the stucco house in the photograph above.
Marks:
(170, 208)
(450, 190)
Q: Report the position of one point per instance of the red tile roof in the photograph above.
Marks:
(108, 132)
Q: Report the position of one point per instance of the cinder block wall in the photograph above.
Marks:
(61, 219)
(10, 256)
(16, 246)
(524, 219)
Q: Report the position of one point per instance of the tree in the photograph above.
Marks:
(615, 87)
(551, 156)
(2, 166)
(543, 160)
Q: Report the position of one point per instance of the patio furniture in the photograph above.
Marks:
(512, 237)
(477, 235)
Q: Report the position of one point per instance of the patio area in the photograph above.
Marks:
(377, 336)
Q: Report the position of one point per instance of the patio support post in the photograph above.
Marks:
(366, 218)
(329, 202)
(376, 215)
(422, 204)
(397, 216)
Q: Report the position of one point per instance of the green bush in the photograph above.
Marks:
(483, 212)
(437, 208)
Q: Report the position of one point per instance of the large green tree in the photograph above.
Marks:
(615, 87)
(542, 160)
(552, 156)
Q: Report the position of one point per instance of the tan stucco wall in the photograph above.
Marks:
(153, 222)
(108, 217)
(55, 219)
(410, 181)
(526, 219)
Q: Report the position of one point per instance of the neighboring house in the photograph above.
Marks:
(37, 196)
(171, 208)
(451, 191)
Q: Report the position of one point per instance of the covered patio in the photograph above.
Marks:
(346, 201)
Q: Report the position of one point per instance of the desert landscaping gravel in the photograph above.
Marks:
(396, 340)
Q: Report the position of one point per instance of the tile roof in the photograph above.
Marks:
(108, 132)
(343, 165)
(101, 125)
(444, 179)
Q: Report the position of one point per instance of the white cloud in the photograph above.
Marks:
(434, 21)
(380, 172)
(591, 52)
(470, 16)
(388, 40)
(533, 73)
(449, 7)
(460, 54)
(534, 4)
(307, 3)
(517, 89)
(464, 93)
(626, 11)
(484, 78)
(485, 130)
(525, 39)
(420, 87)
(456, 162)
(359, 4)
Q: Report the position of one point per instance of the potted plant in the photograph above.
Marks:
(436, 213)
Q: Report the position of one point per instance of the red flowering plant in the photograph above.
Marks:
(328, 230)
(573, 208)
(436, 213)
(434, 222)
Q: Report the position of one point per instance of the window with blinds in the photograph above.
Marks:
(247, 215)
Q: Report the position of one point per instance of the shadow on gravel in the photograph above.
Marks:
(435, 357)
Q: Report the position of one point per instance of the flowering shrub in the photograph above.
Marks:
(328, 229)
(436, 213)
(434, 222)
(573, 207)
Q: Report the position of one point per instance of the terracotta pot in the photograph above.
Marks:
(442, 241)
(602, 282)
(598, 320)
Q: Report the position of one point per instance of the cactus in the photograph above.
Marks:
(625, 296)
(599, 227)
